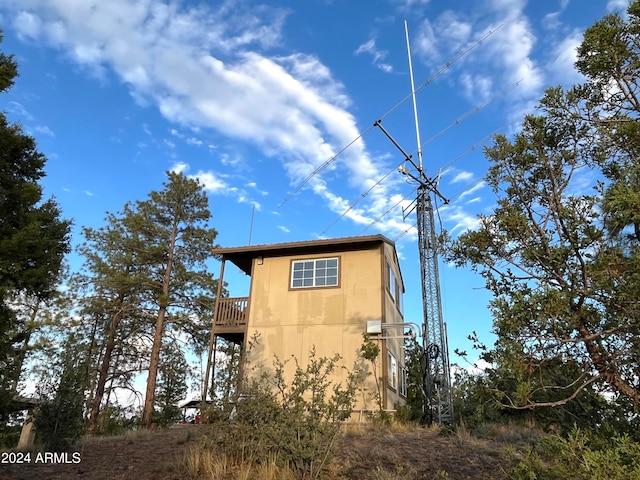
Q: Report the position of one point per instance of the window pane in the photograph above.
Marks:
(393, 373)
(314, 273)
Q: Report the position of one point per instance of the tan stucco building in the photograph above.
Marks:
(322, 294)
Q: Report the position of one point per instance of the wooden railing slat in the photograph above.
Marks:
(232, 311)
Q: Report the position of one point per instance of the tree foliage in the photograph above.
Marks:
(561, 250)
(149, 280)
(226, 375)
(415, 362)
(172, 384)
(59, 419)
(112, 285)
(33, 238)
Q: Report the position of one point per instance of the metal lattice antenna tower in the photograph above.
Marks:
(437, 381)
(438, 405)
(437, 375)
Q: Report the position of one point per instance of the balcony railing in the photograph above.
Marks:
(232, 312)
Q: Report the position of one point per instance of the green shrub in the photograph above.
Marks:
(579, 456)
(292, 421)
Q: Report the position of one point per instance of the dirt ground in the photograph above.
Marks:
(363, 454)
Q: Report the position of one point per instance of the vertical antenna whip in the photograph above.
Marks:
(413, 95)
(253, 213)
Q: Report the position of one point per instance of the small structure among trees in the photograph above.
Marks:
(317, 296)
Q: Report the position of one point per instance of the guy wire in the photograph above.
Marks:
(429, 80)
(454, 123)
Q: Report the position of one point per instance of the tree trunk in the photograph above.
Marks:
(150, 396)
(104, 370)
(22, 353)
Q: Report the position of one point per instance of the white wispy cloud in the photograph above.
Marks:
(462, 177)
(476, 86)
(426, 42)
(254, 186)
(617, 5)
(215, 183)
(474, 188)
(212, 182)
(284, 229)
(209, 67)
(44, 130)
(455, 31)
(504, 58)
(205, 67)
(561, 66)
(378, 55)
(551, 21)
(458, 219)
(179, 167)
(18, 109)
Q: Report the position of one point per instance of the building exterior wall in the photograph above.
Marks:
(393, 314)
(291, 322)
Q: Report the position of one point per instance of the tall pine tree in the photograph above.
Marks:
(150, 263)
(33, 238)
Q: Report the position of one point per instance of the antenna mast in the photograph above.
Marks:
(438, 406)
(413, 97)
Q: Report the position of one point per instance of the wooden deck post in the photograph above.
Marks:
(212, 338)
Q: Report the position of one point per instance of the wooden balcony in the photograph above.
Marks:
(231, 318)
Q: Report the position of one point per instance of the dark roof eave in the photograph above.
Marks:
(242, 256)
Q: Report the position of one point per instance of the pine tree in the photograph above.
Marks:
(149, 266)
(33, 239)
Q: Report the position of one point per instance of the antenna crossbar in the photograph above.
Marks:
(428, 81)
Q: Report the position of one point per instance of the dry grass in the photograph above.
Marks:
(364, 452)
(199, 462)
(511, 434)
(407, 452)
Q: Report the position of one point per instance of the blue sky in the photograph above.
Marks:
(251, 97)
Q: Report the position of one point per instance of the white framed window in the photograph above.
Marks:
(391, 281)
(393, 371)
(403, 381)
(395, 290)
(319, 272)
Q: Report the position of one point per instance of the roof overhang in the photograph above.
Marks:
(243, 257)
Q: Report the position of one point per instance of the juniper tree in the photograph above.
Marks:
(561, 251)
